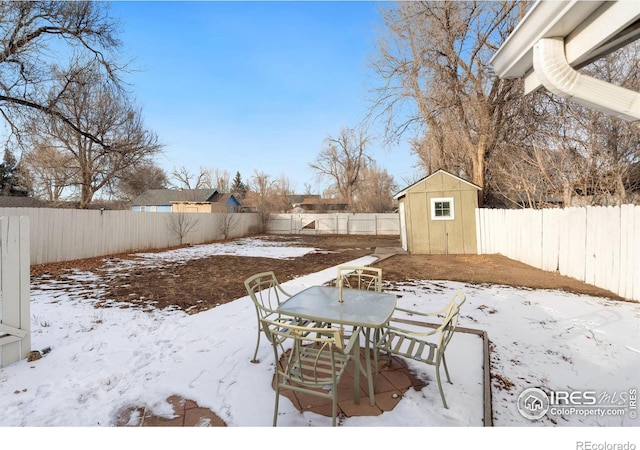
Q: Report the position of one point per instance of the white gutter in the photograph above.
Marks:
(555, 73)
(557, 37)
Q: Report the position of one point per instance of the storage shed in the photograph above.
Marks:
(437, 215)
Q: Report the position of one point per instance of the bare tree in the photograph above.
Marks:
(52, 171)
(227, 223)
(221, 180)
(375, 192)
(342, 161)
(564, 153)
(281, 194)
(438, 84)
(139, 178)
(611, 147)
(34, 39)
(308, 190)
(97, 110)
(261, 194)
(189, 180)
(181, 224)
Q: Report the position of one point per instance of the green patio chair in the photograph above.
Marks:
(314, 361)
(267, 294)
(412, 342)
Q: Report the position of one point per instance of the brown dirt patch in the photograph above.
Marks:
(207, 282)
(482, 269)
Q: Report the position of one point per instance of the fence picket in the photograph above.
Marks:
(550, 239)
(15, 342)
(635, 250)
(591, 250)
(611, 241)
(24, 260)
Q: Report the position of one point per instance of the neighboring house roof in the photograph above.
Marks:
(18, 201)
(322, 201)
(331, 203)
(165, 197)
(323, 204)
(227, 199)
(159, 197)
(403, 192)
(296, 199)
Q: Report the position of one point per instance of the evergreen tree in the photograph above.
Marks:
(8, 172)
(238, 188)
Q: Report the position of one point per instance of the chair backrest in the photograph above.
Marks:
(313, 357)
(450, 321)
(360, 277)
(266, 292)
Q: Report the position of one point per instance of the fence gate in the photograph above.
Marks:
(15, 338)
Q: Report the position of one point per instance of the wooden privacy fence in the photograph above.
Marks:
(338, 223)
(15, 340)
(69, 234)
(597, 245)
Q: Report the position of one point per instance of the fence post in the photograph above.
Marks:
(15, 339)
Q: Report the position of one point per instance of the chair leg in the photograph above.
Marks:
(275, 411)
(446, 370)
(255, 354)
(444, 402)
(389, 355)
(334, 408)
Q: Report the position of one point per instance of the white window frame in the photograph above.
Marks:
(435, 200)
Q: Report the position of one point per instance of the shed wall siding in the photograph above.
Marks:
(427, 236)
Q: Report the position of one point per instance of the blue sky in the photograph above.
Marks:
(246, 86)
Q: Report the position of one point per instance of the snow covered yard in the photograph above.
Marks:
(101, 360)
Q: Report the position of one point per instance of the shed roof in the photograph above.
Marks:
(403, 192)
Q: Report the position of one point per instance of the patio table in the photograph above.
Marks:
(366, 311)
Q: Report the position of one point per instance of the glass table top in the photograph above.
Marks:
(362, 308)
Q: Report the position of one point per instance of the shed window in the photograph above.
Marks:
(442, 208)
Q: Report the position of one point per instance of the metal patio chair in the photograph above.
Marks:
(309, 360)
(412, 342)
(267, 294)
(360, 277)
(364, 278)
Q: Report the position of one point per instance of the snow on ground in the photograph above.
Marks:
(103, 360)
